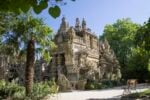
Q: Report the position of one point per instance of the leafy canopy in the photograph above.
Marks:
(131, 43)
(142, 37)
(37, 5)
(24, 28)
(120, 36)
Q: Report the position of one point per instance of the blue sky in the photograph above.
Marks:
(98, 13)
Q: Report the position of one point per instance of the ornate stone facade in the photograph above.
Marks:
(80, 55)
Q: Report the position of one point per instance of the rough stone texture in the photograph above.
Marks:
(109, 65)
(64, 83)
(81, 84)
(80, 55)
(10, 70)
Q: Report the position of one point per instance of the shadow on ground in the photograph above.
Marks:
(119, 99)
(103, 99)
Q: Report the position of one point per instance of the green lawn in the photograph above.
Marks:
(145, 94)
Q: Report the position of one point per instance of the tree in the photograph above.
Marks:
(38, 6)
(5, 21)
(120, 36)
(30, 36)
(142, 39)
(138, 65)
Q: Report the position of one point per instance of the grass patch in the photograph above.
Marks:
(145, 94)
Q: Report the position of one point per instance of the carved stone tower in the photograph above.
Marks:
(83, 24)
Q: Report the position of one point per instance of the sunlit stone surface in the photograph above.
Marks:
(81, 56)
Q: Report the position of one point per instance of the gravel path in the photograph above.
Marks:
(107, 94)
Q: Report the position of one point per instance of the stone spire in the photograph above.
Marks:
(71, 32)
(77, 22)
(83, 24)
(77, 25)
(64, 25)
(107, 46)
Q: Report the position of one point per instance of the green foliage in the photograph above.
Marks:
(142, 95)
(5, 21)
(120, 36)
(16, 91)
(92, 85)
(37, 5)
(23, 28)
(54, 11)
(42, 89)
(146, 92)
(10, 89)
(130, 43)
(142, 38)
(16, 38)
(138, 65)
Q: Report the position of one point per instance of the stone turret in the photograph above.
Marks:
(77, 24)
(64, 26)
(83, 24)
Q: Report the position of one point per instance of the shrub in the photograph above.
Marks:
(17, 92)
(10, 89)
(42, 89)
(91, 85)
(108, 83)
(111, 83)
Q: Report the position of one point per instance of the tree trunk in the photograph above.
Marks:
(29, 72)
